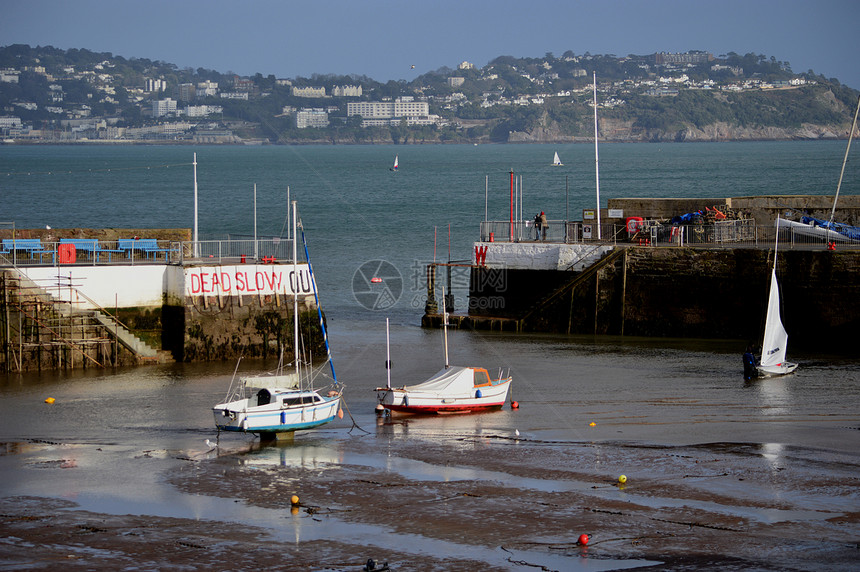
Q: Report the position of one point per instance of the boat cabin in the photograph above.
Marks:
(287, 398)
(480, 377)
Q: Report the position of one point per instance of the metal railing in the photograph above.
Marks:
(728, 234)
(27, 252)
(236, 251)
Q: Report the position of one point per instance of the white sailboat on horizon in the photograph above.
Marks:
(775, 337)
(556, 162)
(394, 168)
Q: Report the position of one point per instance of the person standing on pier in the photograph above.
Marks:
(537, 226)
(543, 225)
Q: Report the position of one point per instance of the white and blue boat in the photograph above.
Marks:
(277, 404)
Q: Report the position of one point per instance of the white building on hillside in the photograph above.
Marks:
(155, 85)
(207, 89)
(346, 91)
(311, 118)
(162, 107)
(387, 109)
(308, 91)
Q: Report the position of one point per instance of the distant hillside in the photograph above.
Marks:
(53, 95)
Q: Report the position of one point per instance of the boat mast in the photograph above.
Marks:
(776, 242)
(845, 160)
(445, 326)
(196, 235)
(295, 298)
(596, 169)
(388, 355)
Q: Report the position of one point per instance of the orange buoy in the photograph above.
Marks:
(583, 539)
(50, 400)
(515, 404)
(340, 413)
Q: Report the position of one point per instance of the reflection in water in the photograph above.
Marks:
(775, 396)
(295, 455)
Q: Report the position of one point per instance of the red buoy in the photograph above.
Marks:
(515, 404)
(583, 539)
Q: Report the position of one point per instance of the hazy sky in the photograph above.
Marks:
(382, 39)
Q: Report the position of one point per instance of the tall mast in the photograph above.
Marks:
(845, 160)
(388, 355)
(295, 297)
(196, 235)
(445, 326)
(596, 162)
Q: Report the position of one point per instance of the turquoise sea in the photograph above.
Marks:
(355, 210)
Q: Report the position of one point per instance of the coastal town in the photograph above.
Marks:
(52, 96)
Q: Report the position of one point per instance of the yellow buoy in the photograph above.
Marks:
(592, 424)
(50, 400)
(294, 499)
(622, 479)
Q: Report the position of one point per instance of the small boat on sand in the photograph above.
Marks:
(276, 404)
(453, 389)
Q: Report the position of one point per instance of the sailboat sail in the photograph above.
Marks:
(394, 168)
(556, 161)
(775, 336)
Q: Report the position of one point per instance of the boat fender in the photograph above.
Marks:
(478, 394)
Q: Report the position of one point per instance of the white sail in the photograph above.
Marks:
(555, 160)
(775, 336)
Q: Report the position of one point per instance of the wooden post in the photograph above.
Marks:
(624, 292)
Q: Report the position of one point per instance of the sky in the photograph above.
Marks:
(383, 39)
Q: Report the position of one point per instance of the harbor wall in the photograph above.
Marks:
(242, 310)
(678, 292)
(189, 313)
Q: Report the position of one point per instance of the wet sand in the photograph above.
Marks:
(466, 502)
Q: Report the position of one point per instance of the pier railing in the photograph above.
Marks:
(728, 234)
(94, 252)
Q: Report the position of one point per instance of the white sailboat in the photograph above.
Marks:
(775, 338)
(396, 162)
(453, 389)
(556, 162)
(278, 404)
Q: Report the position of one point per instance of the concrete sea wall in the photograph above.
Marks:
(186, 313)
(679, 292)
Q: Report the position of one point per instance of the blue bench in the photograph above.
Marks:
(32, 246)
(148, 246)
(90, 246)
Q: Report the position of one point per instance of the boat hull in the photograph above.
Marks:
(485, 398)
(775, 370)
(272, 418)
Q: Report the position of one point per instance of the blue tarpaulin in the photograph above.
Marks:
(851, 232)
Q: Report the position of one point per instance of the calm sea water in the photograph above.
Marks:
(110, 434)
(356, 210)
